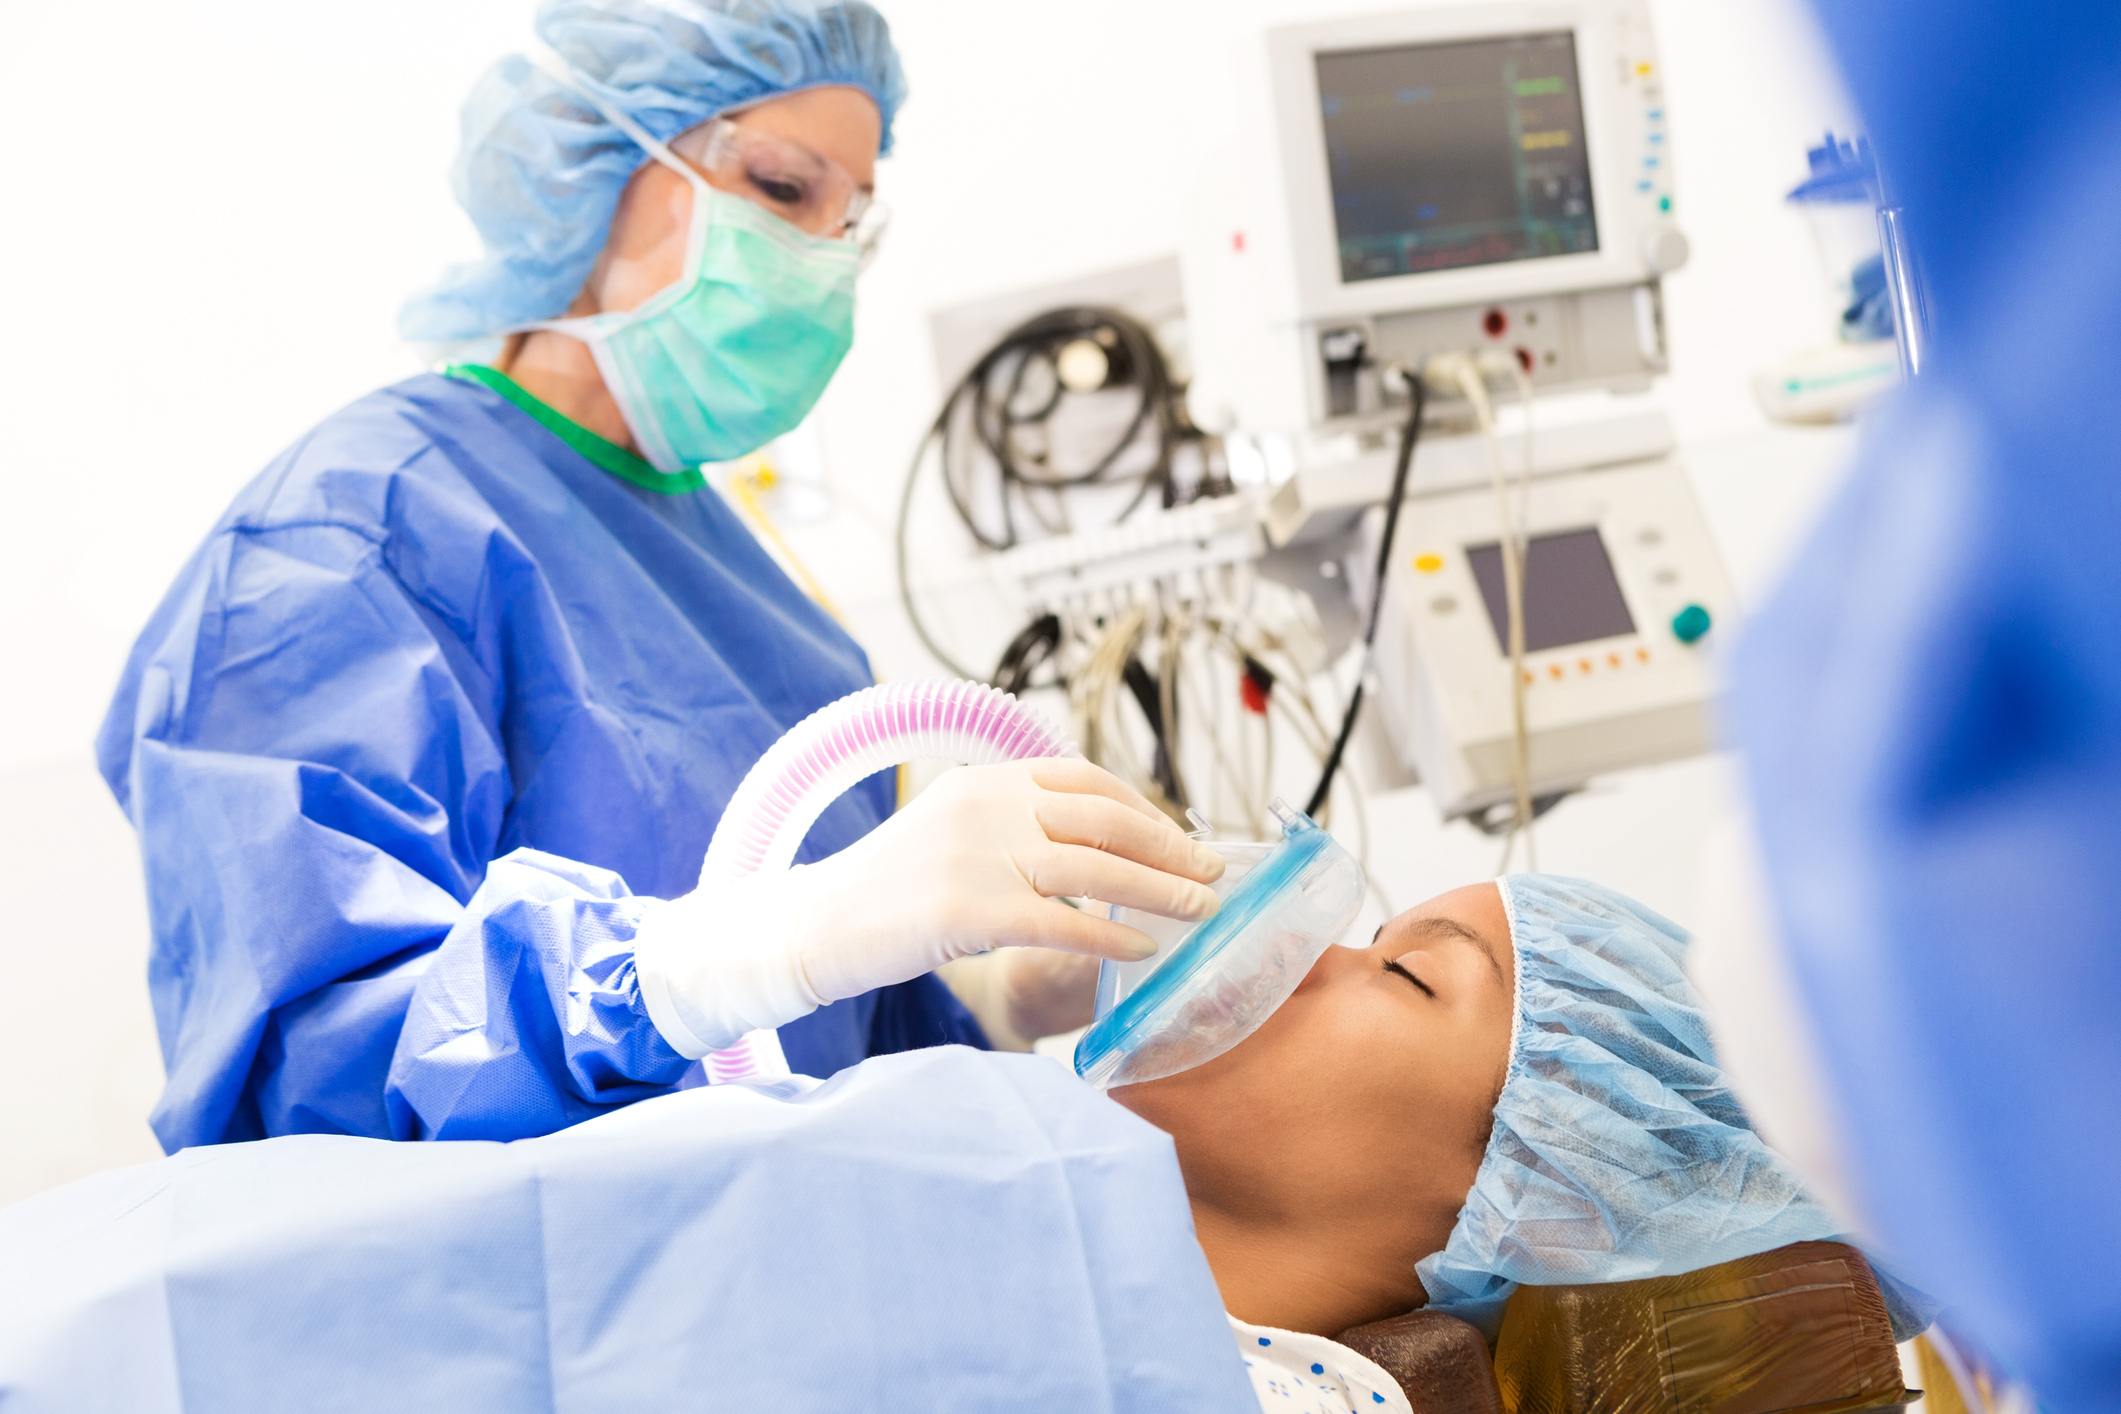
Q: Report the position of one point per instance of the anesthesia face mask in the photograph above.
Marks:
(1209, 986)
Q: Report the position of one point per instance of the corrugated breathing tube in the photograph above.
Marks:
(822, 757)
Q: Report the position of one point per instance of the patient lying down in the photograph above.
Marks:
(1512, 1083)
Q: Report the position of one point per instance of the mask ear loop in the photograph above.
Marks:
(703, 191)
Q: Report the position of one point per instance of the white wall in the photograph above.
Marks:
(215, 209)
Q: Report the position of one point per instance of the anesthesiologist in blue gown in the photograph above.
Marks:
(449, 703)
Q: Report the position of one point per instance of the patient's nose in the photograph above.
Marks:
(1334, 963)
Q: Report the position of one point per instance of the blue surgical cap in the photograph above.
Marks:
(540, 169)
(1619, 1151)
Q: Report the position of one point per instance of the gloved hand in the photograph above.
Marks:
(1044, 993)
(976, 861)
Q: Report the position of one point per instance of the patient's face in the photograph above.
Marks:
(1357, 1115)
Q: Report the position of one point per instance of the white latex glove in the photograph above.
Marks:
(976, 861)
(1019, 996)
(1046, 993)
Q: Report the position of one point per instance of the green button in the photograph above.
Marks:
(1690, 623)
(1664, 203)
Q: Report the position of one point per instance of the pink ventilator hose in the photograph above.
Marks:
(822, 757)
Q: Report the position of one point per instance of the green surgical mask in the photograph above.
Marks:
(739, 349)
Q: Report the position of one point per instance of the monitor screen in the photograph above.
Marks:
(1570, 592)
(1448, 155)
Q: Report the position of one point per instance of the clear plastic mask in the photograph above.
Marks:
(1210, 986)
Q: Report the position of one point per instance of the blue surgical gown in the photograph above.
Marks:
(433, 707)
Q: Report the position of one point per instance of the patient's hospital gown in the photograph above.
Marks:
(1296, 1373)
(443, 627)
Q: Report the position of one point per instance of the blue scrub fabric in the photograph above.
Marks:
(1931, 703)
(947, 1230)
(437, 676)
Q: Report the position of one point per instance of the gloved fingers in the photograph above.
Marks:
(1072, 775)
(1045, 992)
(1053, 924)
(1100, 822)
(1079, 871)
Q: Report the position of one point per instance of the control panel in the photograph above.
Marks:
(1626, 606)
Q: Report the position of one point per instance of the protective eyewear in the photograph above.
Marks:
(808, 191)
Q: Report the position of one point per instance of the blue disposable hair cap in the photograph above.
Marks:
(1619, 1151)
(540, 169)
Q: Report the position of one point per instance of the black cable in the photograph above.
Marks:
(1418, 397)
(995, 419)
(1148, 695)
(988, 398)
(1030, 650)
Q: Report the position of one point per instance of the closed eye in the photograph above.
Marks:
(1392, 965)
(782, 192)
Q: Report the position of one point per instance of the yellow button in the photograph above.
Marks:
(1643, 70)
(1428, 564)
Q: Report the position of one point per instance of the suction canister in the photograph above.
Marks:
(1212, 987)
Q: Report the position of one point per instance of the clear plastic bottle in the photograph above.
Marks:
(1205, 991)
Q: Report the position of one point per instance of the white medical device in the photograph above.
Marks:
(1429, 180)
(1485, 180)
(1490, 180)
(1624, 595)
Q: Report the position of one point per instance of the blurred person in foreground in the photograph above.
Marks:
(1930, 706)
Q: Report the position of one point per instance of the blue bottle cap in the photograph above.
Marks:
(1842, 173)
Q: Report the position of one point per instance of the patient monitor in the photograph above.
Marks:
(1489, 180)
(1436, 179)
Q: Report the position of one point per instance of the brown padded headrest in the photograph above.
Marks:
(1799, 1330)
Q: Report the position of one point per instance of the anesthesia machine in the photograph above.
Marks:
(1381, 397)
